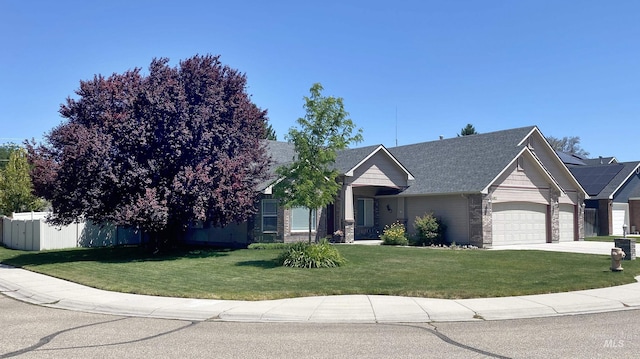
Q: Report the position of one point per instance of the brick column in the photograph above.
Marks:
(480, 220)
(349, 231)
(580, 217)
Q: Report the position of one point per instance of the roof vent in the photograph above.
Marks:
(441, 137)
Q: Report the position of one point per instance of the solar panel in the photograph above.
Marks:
(569, 159)
(595, 178)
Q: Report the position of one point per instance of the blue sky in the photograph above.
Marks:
(408, 70)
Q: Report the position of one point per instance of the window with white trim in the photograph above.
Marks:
(300, 219)
(269, 216)
(364, 215)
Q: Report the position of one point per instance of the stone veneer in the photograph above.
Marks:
(554, 194)
(480, 220)
(349, 231)
(580, 218)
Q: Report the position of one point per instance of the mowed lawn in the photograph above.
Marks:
(250, 274)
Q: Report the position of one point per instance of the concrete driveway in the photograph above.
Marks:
(584, 247)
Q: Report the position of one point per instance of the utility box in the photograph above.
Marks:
(628, 246)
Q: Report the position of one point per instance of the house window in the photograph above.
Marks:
(364, 217)
(269, 216)
(300, 219)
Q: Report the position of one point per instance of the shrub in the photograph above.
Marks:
(394, 234)
(317, 255)
(429, 230)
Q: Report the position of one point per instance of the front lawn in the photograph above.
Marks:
(254, 275)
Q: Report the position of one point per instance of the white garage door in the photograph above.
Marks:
(519, 223)
(567, 215)
(618, 221)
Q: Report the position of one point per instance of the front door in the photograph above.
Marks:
(331, 219)
(365, 221)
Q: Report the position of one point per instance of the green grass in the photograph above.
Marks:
(254, 275)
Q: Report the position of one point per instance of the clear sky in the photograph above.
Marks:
(409, 71)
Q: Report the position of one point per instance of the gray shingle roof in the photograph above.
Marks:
(281, 153)
(465, 164)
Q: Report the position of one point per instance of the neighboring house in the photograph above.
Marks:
(614, 191)
(491, 189)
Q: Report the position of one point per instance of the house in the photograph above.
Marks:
(491, 189)
(614, 194)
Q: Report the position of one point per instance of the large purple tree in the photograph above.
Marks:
(157, 151)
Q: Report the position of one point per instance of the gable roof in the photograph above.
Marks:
(346, 160)
(466, 164)
(351, 157)
(602, 181)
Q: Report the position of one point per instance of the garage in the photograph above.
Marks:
(567, 223)
(619, 214)
(519, 223)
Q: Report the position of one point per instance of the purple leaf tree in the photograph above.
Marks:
(158, 151)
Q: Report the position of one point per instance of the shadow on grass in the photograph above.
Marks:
(263, 264)
(106, 255)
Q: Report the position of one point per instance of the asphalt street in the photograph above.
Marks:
(29, 331)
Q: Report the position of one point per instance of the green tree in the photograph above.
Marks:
(270, 133)
(16, 189)
(5, 152)
(566, 144)
(310, 180)
(468, 130)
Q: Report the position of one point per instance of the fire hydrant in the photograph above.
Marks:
(617, 254)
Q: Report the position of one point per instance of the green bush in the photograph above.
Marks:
(429, 231)
(305, 255)
(394, 235)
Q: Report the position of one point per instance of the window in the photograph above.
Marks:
(364, 217)
(300, 219)
(269, 216)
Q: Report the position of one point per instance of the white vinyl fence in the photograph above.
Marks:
(29, 231)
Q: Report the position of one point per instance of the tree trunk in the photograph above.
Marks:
(309, 225)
